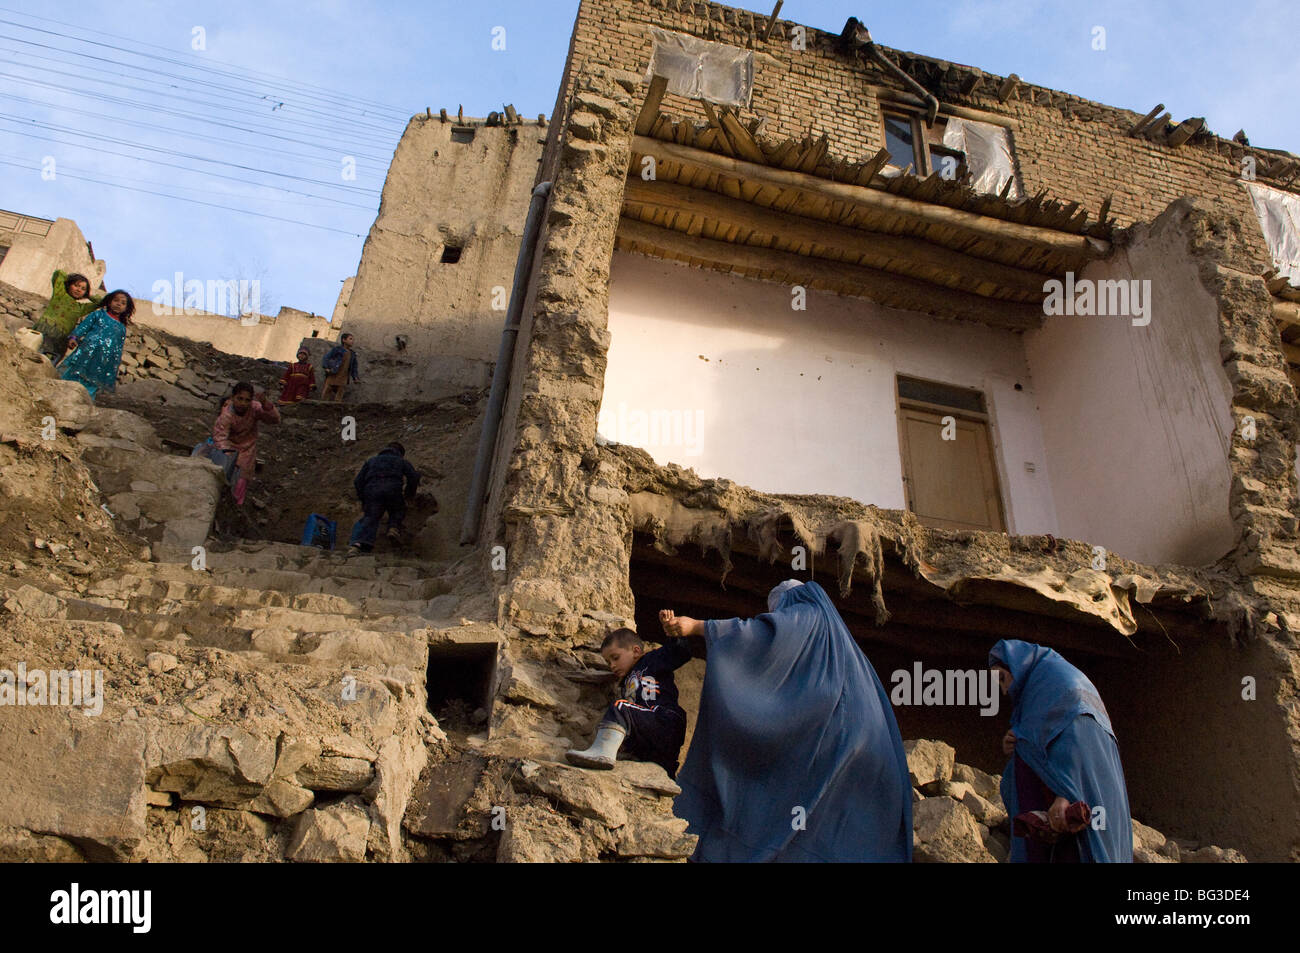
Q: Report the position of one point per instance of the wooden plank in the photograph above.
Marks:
(645, 122)
(878, 250)
(896, 291)
(1287, 313)
(1137, 127)
(720, 137)
(741, 140)
(873, 166)
(815, 155)
(771, 21)
(1186, 129)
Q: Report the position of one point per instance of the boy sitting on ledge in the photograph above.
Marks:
(645, 722)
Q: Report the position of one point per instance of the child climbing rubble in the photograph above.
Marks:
(644, 723)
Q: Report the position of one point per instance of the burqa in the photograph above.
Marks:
(796, 754)
(1064, 735)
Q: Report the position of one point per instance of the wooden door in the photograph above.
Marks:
(950, 483)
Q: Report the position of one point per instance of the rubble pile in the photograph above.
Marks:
(145, 357)
(958, 816)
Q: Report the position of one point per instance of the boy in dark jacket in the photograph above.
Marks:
(645, 721)
(340, 366)
(379, 488)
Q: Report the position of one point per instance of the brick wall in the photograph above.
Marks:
(1075, 149)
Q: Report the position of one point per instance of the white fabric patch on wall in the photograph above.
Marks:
(988, 154)
(701, 69)
(1279, 217)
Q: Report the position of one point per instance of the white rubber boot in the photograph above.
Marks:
(603, 751)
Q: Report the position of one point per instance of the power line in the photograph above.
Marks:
(257, 131)
(164, 129)
(284, 81)
(332, 129)
(51, 127)
(185, 168)
(27, 162)
(182, 198)
(337, 98)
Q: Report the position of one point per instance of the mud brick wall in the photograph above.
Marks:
(558, 508)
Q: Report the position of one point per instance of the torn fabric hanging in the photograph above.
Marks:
(1279, 217)
(988, 154)
(700, 69)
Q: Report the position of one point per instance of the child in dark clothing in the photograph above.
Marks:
(645, 721)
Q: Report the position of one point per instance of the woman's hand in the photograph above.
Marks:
(1056, 814)
(1009, 742)
(679, 626)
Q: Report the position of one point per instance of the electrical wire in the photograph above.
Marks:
(182, 198)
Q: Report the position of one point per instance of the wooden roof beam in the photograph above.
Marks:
(885, 288)
(969, 224)
(645, 122)
(933, 262)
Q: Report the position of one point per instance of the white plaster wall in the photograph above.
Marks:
(802, 401)
(1137, 420)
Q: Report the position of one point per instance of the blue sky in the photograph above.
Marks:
(349, 74)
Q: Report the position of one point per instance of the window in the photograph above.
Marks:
(700, 69)
(911, 143)
(462, 134)
(949, 474)
(451, 254)
(983, 147)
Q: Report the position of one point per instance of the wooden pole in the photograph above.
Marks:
(771, 21)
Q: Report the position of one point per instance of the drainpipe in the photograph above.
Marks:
(859, 37)
(487, 440)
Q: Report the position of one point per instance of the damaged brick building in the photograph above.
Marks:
(755, 228)
(986, 359)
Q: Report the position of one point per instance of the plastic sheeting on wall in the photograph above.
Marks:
(1279, 217)
(988, 154)
(700, 69)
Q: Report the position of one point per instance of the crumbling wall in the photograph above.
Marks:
(1136, 416)
(38, 248)
(1074, 148)
(441, 196)
(556, 507)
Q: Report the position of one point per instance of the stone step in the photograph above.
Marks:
(308, 559)
(297, 620)
(331, 639)
(373, 585)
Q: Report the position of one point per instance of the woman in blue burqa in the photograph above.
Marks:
(796, 754)
(95, 345)
(1062, 751)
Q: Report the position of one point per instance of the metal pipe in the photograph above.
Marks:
(505, 361)
(858, 37)
(931, 102)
